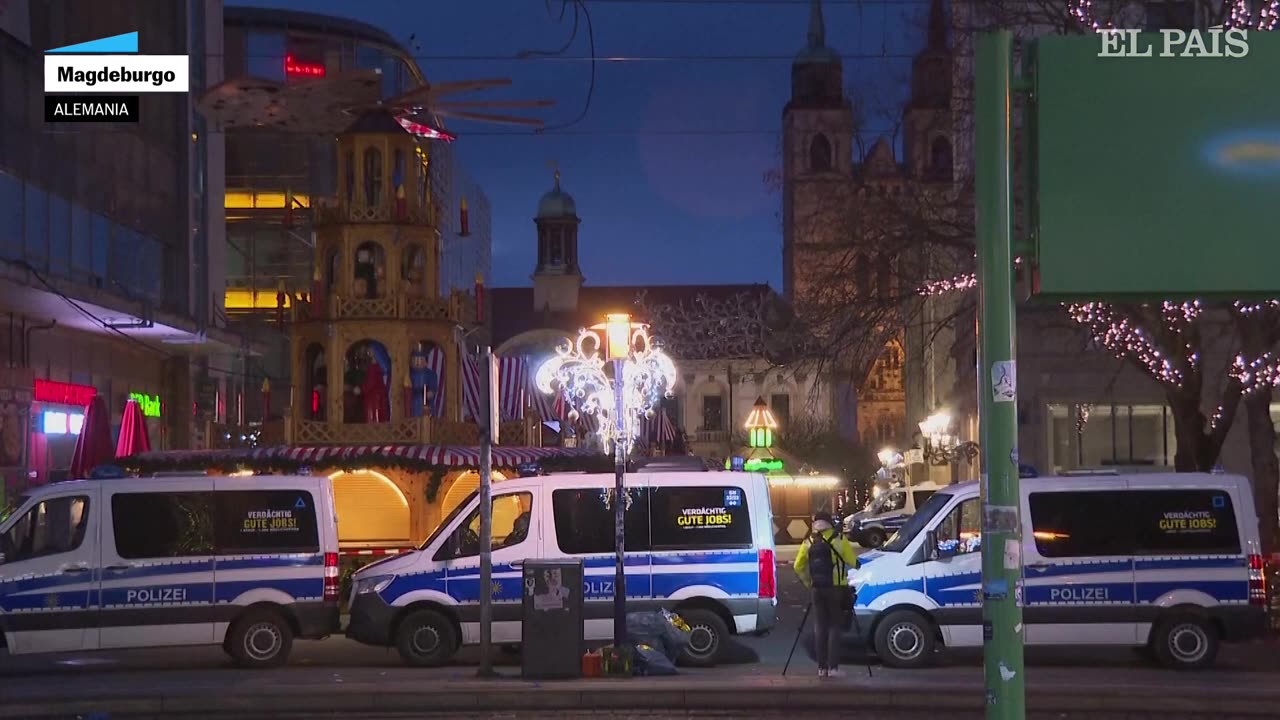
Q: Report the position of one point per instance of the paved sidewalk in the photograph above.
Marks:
(381, 692)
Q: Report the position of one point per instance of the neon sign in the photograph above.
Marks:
(150, 403)
(52, 391)
(294, 67)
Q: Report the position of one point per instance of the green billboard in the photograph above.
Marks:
(1155, 176)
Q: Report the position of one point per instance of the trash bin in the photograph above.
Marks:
(551, 620)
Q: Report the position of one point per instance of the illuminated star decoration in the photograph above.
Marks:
(578, 371)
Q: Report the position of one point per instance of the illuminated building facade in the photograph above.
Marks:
(110, 239)
(273, 175)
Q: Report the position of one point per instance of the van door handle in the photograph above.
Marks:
(118, 568)
(1039, 566)
(75, 569)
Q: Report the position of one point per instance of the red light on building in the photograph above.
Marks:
(294, 67)
(52, 391)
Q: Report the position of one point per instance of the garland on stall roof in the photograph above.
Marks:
(346, 463)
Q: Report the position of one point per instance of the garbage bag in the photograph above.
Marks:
(651, 661)
(660, 630)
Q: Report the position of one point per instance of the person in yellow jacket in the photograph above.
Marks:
(823, 565)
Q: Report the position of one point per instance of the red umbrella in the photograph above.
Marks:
(133, 431)
(93, 447)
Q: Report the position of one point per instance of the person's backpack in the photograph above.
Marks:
(822, 561)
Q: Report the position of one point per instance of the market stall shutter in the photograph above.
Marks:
(372, 511)
(466, 483)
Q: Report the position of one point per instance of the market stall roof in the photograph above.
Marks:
(335, 455)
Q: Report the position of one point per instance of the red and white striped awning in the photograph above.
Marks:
(449, 455)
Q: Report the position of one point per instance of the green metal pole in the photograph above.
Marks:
(997, 378)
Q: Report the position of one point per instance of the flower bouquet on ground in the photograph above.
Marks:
(617, 661)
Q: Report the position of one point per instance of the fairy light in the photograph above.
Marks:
(578, 372)
(1251, 308)
(1126, 340)
(1261, 373)
(959, 283)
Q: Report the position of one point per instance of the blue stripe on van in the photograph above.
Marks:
(294, 588)
(1220, 590)
(1105, 566)
(1185, 563)
(869, 593)
(732, 583)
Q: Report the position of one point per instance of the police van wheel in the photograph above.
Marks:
(1185, 642)
(708, 635)
(260, 639)
(426, 639)
(905, 639)
(872, 539)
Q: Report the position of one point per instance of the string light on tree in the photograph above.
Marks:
(959, 283)
(1125, 339)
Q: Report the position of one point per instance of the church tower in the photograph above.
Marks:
(927, 120)
(557, 278)
(817, 137)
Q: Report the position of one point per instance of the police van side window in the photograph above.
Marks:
(265, 521)
(962, 526)
(52, 527)
(699, 518)
(920, 496)
(162, 524)
(895, 501)
(1090, 523)
(512, 515)
(584, 520)
(1195, 522)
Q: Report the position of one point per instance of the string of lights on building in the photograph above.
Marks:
(1240, 16)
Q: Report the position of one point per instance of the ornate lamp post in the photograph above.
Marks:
(615, 372)
(941, 447)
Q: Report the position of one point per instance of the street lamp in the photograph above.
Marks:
(941, 446)
(615, 372)
(760, 425)
(889, 458)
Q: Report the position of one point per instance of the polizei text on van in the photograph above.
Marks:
(117, 75)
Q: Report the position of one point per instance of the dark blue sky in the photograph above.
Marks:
(666, 195)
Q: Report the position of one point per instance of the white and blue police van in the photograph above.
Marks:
(698, 543)
(886, 513)
(246, 562)
(1169, 564)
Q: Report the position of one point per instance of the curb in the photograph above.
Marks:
(356, 698)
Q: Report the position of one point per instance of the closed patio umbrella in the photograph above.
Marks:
(93, 447)
(133, 431)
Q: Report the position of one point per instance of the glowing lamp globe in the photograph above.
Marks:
(760, 425)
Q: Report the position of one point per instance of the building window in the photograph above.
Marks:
(820, 154)
(37, 252)
(370, 270)
(861, 276)
(372, 177)
(349, 179)
(713, 413)
(1095, 436)
(781, 406)
(885, 427)
(940, 158)
(265, 55)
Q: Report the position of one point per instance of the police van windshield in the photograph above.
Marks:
(917, 522)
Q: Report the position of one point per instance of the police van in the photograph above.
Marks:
(1166, 563)
(699, 543)
(246, 562)
(888, 511)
